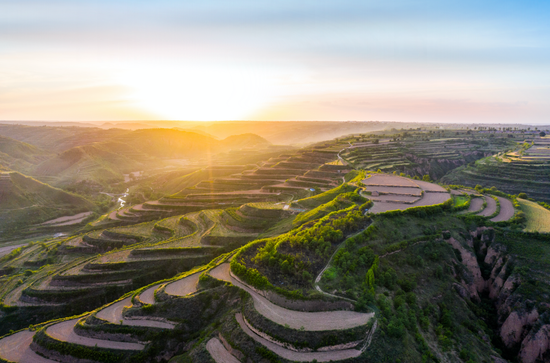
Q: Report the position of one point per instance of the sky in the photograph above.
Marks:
(423, 61)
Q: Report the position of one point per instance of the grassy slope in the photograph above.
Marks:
(317, 200)
(30, 201)
(538, 217)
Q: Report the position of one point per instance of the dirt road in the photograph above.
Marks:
(64, 332)
(317, 321)
(219, 353)
(16, 348)
(298, 356)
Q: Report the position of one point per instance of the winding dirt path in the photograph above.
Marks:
(148, 296)
(64, 331)
(184, 286)
(316, 321)
(219, 353)
(491, 207)
(16, 348)
(113, 314)
(506, 210)
(297, 356)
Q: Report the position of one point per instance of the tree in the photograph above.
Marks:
(542, 134)
(375, 141)
(426, 178)
(522, 195)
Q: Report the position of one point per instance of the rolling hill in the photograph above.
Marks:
(27, 201)
(62, 156)
(19, 155)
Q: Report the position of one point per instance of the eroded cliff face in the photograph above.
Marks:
(438, 167)
(490, 271)
(536, 346)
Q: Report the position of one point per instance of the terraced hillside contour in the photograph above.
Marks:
(278, 179)
(392, 192)
(523, 169)
(423, 270)
(20, 348)
(411, 156)
(139, 254)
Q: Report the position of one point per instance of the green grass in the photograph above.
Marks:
(459, 201)
(317, 200)
(538, 217)
(342, 201)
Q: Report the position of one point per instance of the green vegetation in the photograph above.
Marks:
(325, 197)
(440, 282)
(342, 201)
(537, 217)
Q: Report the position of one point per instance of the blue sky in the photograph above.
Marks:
(437, 61)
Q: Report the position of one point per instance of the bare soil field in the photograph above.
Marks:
(16, 348)
(475, 205)
(64, 331)
(395, 190)
(317, 321)
(148, 296)
(427, 199)
(113, 314)
(389, 180)
(380, 207)
(219, 353)
(297, 356)
(430, 187)
(184, 286)
(395, 197)
(401, 189)
(431, 199)
(506, 210)
(491, 207)
(67, 220)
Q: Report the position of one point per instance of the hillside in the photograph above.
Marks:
(25, 201)
(66, 156)
(19, 155)
(325, 253)
(58, 139)
(100, 162)
(521, 168)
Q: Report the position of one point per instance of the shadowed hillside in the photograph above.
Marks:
(25, 201)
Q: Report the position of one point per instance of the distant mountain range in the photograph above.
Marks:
(65, 155)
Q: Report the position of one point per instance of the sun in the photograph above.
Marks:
(195, 92)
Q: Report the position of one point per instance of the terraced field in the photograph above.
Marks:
(392, 192)
(410, 156)
(277, 179)
(155, 282)
(318, 321)
(513, 172)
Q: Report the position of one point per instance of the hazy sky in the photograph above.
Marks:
(433, 60)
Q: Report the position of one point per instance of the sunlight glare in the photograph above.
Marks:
(201, 93)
